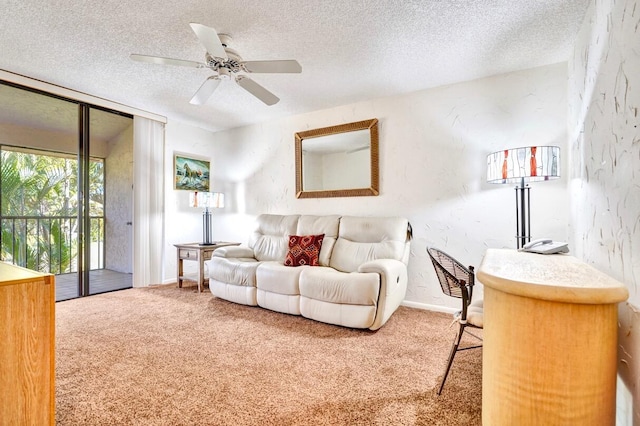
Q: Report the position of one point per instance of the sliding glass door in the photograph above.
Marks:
(108, 201)
(54, 157)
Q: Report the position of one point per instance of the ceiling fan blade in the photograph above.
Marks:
(209, 39)
(205, 91)
(256, 90)
(166, 61)
(287, 66)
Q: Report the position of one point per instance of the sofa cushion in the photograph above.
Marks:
(269, 240)
(329, 285)
(362, 239)
(327, 225)
(240, 252)
(304, 250)
(233, 271)
(274, 277)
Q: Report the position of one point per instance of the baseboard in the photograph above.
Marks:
(428, 307)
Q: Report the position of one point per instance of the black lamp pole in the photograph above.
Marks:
(206, 227)
(523, 214)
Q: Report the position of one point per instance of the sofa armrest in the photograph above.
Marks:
(392, 272)
(393, 287)
(234, 251)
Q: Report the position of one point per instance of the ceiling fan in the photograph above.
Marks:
(227, 64)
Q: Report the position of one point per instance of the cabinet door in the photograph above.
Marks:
(27, 352)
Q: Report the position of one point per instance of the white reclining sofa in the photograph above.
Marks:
(360, 280)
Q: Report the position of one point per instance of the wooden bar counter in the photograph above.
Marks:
(550, 340)
(27, 347)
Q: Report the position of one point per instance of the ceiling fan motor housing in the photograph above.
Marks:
(224, 73)
(232, 62)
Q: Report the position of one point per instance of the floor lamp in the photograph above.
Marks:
(208, 200)
(521, 166)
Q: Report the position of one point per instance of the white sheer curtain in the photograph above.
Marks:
(148, 201)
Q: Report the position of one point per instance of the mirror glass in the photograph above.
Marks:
(338, 161)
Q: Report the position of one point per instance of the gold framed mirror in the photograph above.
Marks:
(338, 161)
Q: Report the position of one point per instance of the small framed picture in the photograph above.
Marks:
(191, 174)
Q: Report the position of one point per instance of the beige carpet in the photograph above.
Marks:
(168, 356)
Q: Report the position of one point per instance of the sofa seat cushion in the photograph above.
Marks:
(275, 277)
(328, 285)
(234, 271)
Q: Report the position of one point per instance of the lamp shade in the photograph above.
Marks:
(211, 200)
(527, 164)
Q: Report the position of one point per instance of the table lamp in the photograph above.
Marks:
(208, 200)
(523, 165)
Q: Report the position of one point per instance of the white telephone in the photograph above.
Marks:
(545, 246)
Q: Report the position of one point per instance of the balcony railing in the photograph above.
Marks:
(49, 243)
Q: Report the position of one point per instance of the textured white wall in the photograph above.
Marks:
(183, 224)
(433, 148)
(604, 100)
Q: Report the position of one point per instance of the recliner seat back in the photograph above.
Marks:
(315, 225)
(362, 239)
(270, 239)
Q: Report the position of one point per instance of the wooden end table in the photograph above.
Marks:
(200, 253)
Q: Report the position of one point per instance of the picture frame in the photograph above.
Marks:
(191, 174)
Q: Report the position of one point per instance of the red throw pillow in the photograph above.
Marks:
(304, 250)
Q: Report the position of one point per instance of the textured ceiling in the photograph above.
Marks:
(350, 50)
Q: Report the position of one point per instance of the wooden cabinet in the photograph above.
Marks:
(27, 348)
(550, 334)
